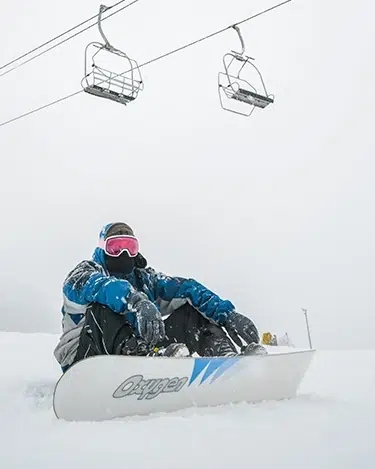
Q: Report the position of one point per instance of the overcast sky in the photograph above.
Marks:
(274, 212)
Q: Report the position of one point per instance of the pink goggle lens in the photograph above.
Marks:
(115, 245)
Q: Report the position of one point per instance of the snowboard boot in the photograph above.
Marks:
(217, 346)
(176, 350)
(212, 341)
(134, 346)
(254, 349)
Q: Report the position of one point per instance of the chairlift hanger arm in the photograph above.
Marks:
(241, 40)
(103, 9)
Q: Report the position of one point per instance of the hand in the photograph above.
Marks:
(238, 325)
(149, 323)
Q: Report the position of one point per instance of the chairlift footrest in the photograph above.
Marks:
(250, 97)
(109, 94)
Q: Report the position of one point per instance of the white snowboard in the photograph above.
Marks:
(108, 386)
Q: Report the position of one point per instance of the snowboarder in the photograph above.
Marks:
(115, 304)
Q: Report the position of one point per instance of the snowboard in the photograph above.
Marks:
(108, 386)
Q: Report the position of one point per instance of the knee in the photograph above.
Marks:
(213, 329)
(98, 308)
(187, 310)
(99, 312)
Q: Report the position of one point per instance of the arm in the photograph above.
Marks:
(88, 283)
(204, 300)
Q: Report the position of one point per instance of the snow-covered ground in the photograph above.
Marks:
(329, 425)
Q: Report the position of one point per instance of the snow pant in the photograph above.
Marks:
(108, 333)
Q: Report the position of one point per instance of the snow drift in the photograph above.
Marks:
(328, 425)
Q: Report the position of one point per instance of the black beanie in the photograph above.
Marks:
(118, 229)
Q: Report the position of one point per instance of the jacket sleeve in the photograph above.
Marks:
(88, 283)
(201, 298)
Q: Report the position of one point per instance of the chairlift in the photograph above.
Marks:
(236, 93)
(116, 85)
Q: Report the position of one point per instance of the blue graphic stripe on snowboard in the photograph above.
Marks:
(227, 363)
(199, 365)
(215, 367)
(212, 367)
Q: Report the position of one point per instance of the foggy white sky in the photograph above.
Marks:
(291, 188)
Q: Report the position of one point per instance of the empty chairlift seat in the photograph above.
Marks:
(241, 85)
(109, 72)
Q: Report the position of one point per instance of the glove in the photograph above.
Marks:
(148, 321)
(238, 325)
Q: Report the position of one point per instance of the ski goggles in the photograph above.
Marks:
(114, 246)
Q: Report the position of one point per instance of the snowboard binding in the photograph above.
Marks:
(176, 350)
(253, 349)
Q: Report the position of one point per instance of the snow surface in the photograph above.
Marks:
(329, 425)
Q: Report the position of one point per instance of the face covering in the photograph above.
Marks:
(121, 265)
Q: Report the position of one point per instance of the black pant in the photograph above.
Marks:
(108, 333)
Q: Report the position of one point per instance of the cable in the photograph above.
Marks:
(209, 36)
(59, 36)
(148, 62)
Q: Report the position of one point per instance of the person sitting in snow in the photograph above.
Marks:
(114, 304)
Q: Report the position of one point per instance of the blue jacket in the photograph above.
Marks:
(90, 282)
